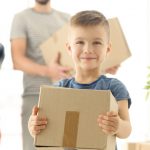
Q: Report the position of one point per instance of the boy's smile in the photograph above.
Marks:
(87, 59)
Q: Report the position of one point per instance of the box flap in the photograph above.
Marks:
(57, 43)
(120, 50)
(81, 106)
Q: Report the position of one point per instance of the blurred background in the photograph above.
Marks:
(134, 17)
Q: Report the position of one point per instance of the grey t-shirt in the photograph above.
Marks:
(36, 28)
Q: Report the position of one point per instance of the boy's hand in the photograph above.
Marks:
(35, 123)
(109, 123)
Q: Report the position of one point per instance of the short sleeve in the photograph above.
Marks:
(120, 91)
(18, 27)
(64, 83)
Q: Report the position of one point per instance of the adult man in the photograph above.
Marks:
(30, 28)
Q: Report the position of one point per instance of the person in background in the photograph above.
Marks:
(2, 54)
(30, 28)
(88, 45)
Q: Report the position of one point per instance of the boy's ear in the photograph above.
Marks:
(109, 48)
(68, 48)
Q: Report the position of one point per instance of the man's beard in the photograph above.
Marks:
(42, 2)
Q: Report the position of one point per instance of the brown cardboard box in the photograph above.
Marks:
(144, 146)
(72, 116)
(139, 146)
(133, 146)
(57, 43)
(120, 50)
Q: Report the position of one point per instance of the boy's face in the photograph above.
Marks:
(88, 46)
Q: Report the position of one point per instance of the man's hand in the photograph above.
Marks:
(113, 70)
(57, 71)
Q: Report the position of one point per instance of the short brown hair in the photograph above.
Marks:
(90, 18)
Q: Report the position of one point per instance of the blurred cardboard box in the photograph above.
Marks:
(145, 146)
(72, 116)
(138, 146)
(120, 50)
(57, 43)
(133, 146)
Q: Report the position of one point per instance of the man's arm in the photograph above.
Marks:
(25, 64)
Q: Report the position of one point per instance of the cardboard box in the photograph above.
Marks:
(133, 146)
(72, 116)
(120, 50)
(139, 146)
(49, 148)
(145, 146)
(57, 43)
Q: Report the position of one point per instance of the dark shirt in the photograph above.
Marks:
(1, 53)
(117, 88)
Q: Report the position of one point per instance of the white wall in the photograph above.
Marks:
(135, 21)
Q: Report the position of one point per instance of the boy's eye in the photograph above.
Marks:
(79, 42)
(98, 42)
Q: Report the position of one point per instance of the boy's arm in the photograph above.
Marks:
(125, 128)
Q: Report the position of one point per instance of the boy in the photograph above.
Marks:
(88, 45)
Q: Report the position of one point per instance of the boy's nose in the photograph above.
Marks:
(87, 48)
